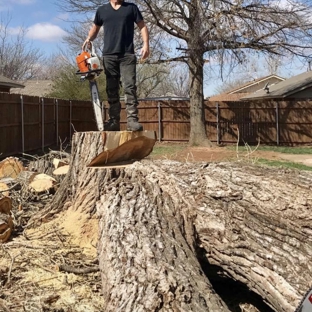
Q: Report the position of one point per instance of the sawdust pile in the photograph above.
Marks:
(32, 272)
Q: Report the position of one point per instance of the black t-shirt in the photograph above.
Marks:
(118, 27)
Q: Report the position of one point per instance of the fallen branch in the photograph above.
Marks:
(70, 269)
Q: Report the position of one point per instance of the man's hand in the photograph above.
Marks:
(86, 44)
(145, 52)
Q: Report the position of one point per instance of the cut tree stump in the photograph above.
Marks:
(162, 222)
(60, 171)
(42, 183)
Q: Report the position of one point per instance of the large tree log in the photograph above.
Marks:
(158, 218)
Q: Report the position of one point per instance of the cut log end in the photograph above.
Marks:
(4, 189)
(61, 170)
(10, 167)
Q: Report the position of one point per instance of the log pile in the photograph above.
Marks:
(20, 184)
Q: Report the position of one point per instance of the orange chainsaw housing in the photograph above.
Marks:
(81, 60)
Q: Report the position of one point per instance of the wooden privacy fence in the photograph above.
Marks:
(31, 123)
(270, 122)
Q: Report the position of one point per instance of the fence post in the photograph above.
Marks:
(218, 120)
(159, 121)
(23, 130)
(56, 122)
(277, 125)
(42, 123)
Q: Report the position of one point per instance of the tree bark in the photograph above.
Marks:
(147, 249)
(196, 51)
(157, 219)
(6, 222)
(198, 134)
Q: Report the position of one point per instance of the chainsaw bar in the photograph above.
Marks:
(89, 68)
(306, 303)
(97, 107)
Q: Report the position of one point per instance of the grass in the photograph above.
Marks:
(284, 164)
(279, 149)
(167, 149)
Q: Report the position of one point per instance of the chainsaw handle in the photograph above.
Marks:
(87, 48)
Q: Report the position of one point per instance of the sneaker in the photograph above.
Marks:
(134, 125)
(112, 125)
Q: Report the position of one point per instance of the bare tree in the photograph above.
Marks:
(252, 69)
(18, 59)
(179, 78)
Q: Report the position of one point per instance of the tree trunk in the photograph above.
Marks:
(157, 219)
(198, 134)
(196, 51)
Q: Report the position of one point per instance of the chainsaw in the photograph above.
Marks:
(306, 303)
(89, 69)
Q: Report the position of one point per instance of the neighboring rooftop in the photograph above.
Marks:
(257, 83)
(35, 88)
(299, 86)
(244, 90)
(8, 83)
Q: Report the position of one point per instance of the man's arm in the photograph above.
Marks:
(92, 35)
(145, 37)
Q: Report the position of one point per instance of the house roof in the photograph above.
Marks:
(225, 97)
(6, 82)
(253, 82)
(235, 95)
(284, 88)
(35, 88)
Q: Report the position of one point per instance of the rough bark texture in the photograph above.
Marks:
(197, 132)
(256, 224)
(147, 249)
(253, 222)
(157, 217)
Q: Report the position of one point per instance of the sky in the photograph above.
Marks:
(46, 26)
(44, 22)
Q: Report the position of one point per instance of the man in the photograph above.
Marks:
(118, 18)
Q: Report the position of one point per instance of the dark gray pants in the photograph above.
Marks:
(121, 67)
